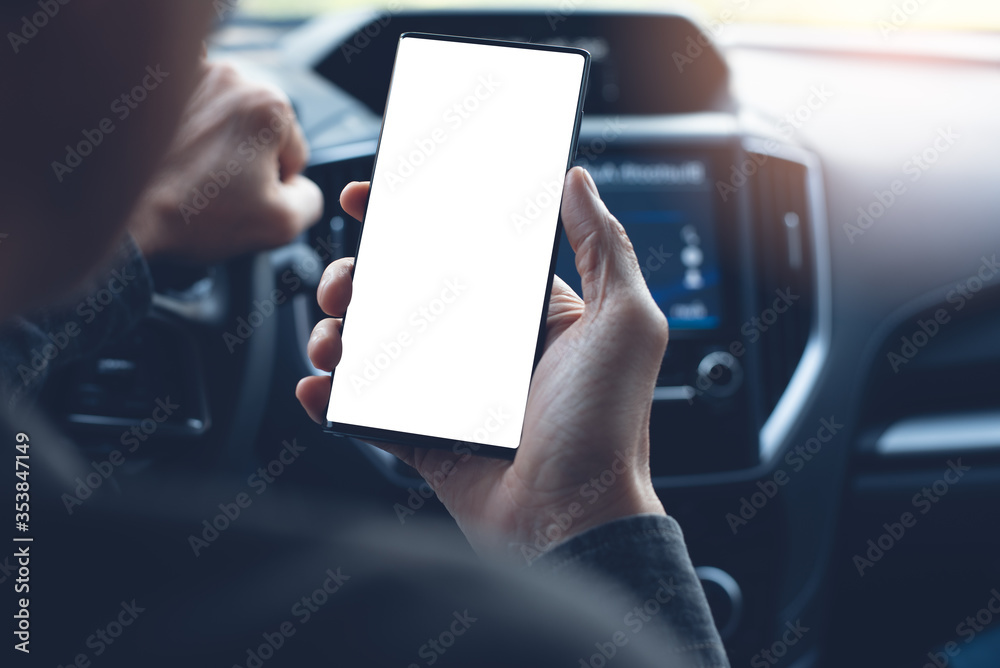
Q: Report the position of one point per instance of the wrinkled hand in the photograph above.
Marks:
(231, 181)
(584, 454)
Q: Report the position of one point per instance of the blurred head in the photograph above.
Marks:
(92, 92)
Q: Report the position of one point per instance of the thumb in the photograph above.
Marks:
(605, 258)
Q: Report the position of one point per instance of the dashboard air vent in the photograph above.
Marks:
(784, 269)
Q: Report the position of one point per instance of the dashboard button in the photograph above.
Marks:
(725, 598)
(719, 374)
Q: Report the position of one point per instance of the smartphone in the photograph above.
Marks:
(458, 243)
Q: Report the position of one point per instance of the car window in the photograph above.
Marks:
(880, 15)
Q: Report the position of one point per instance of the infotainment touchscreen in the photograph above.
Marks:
(666, 208)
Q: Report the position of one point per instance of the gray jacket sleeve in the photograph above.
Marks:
(645, 556)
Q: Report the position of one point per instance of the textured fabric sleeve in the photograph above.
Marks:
(106, 308)
(645, 556)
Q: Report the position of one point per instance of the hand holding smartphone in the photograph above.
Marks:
(454, 265)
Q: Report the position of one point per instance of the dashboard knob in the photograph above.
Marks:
(719, 374)
(725, 598)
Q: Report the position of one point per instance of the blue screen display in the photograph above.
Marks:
(666, 208)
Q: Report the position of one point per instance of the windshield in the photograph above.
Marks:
(876, 15)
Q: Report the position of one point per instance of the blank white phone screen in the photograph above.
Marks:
(449, 288)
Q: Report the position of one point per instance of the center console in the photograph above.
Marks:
(730, 261)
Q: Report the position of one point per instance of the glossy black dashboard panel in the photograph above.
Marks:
(624, 48)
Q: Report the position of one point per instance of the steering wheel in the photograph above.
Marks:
(198, 369)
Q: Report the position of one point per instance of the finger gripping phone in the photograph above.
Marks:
(458, 243)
